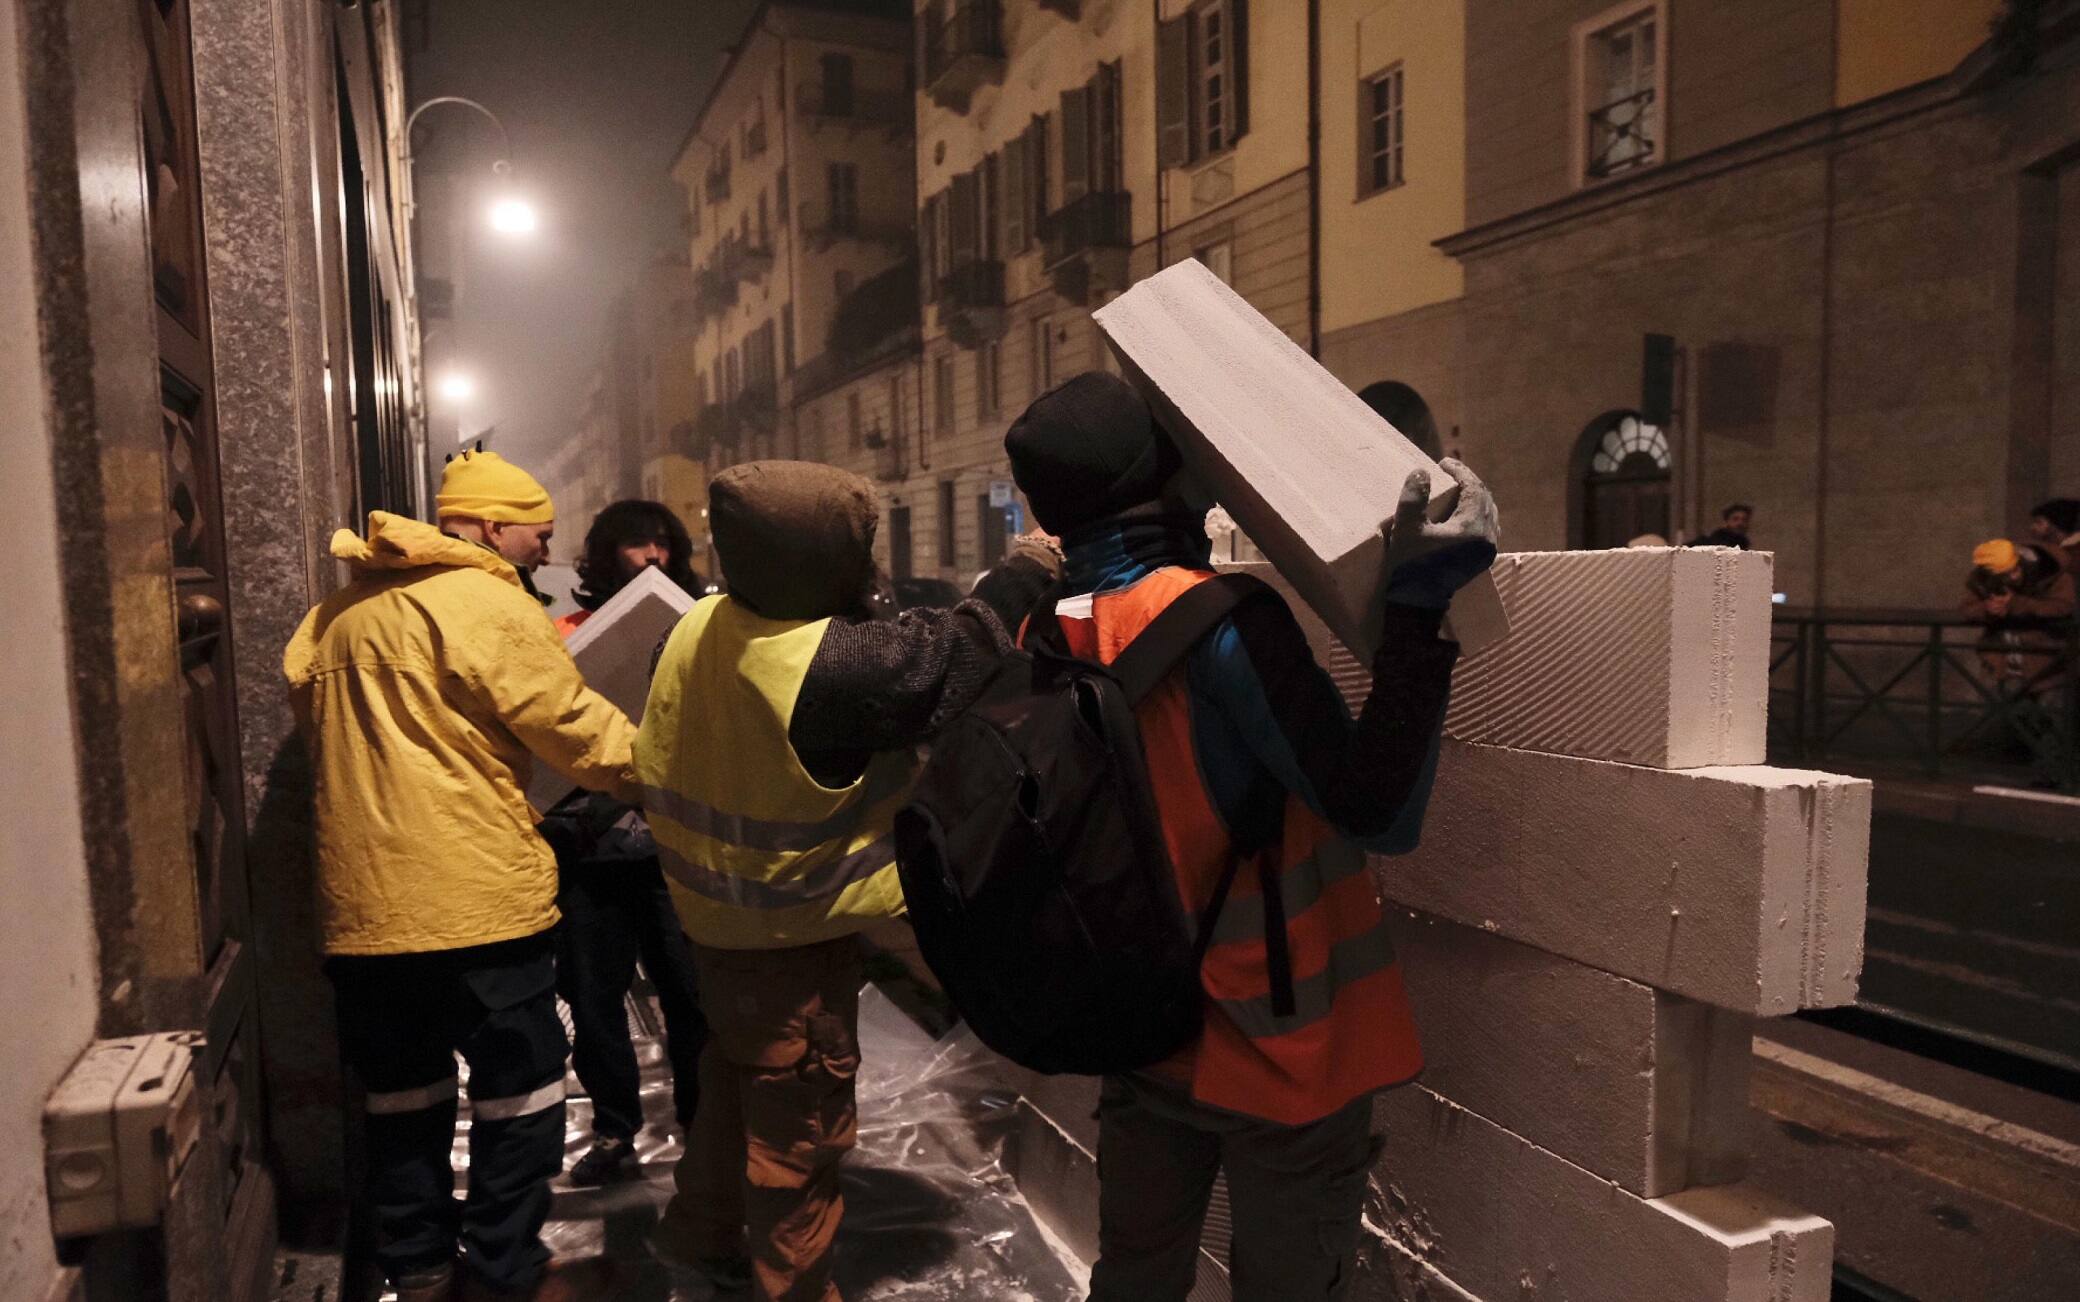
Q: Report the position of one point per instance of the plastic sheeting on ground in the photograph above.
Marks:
(932, 1213)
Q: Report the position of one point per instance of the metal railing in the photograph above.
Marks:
(972, 285)
(1098, 220)
(975, 28)
(880, 108)
(1928, 691)
(1621, 134)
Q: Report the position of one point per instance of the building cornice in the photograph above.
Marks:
(1982, 68)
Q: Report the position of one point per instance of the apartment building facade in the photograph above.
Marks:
(799, 210)
(1065, 150)
(1630, 261)
(1842, 219)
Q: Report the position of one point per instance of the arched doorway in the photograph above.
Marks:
(1406, 411)
(1622, 472)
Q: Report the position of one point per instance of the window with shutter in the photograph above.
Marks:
(1174, 92)
(1106, 165)
(963, 219)
(990, 217)
(1036, 173)
(1076, 144)
(928, 250)
(942, 395)
(1238, 54)
(1015, 195)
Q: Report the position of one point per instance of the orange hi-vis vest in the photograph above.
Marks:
(1350, 1031)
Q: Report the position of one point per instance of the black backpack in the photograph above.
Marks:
(1034, 865)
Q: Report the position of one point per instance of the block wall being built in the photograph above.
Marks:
(1612, 887)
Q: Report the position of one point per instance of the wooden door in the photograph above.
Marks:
(212, 773)
(1621, 507)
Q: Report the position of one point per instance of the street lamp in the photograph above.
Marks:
(457, 387)
(510, 214)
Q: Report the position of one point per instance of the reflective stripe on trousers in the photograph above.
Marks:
(517, 1105)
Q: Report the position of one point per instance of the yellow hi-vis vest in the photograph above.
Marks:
(758, 853)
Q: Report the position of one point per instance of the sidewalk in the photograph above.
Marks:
(932, 1211)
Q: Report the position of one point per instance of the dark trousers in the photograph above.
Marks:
(614, 913)
(402, 1020)
(1296, 1193)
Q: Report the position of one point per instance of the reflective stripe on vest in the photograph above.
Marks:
(1300, 886)
(1350, 1031)
(758, 854)
(1314, 995)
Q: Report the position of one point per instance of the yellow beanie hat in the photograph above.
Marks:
(1999, 556)
(486, 486)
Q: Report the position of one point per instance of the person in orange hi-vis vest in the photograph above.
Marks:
(1249, 734)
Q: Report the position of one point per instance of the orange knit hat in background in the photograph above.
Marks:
(1998, 556)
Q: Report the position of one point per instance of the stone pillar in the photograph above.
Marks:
(255, 133)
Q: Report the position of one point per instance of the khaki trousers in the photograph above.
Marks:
(777, 1115)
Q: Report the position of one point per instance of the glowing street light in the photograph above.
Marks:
(457, 386)
(514, 216)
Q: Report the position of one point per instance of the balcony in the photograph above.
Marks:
(820, 107)
(820, 228)
(964, 53)
(971, 303)
(1622, 136)
(713, 292)
(755, 409)
(1085, 244)
(716, 184)
(741, 260)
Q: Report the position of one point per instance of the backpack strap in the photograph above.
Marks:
(1152, 654)
(1138, 668)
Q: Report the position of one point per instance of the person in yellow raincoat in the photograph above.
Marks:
(427, 688)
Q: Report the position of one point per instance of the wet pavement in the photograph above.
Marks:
(932, 1213)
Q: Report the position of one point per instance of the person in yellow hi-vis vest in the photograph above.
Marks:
(778, 742)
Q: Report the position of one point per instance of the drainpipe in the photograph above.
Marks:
(1314, 178)
(1155, 8)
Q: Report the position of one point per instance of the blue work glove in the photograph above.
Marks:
(1427, 562)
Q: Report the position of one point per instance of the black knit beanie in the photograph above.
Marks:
(1088, 449)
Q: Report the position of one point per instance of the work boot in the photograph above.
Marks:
(436, 1284)
(584, 1279)
(697, 1279)
(610, 1159)
(709, 1279)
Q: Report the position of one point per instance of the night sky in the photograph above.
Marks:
(597, 96)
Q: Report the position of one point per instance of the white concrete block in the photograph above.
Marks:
(1503, 1218)
(1635, 1085)
(1306, 468)
(614, 650)
(1740, 886)
(1655, 656)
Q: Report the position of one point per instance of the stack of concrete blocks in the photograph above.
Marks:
(1612, 887)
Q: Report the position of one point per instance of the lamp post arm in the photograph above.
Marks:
(505, 142)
